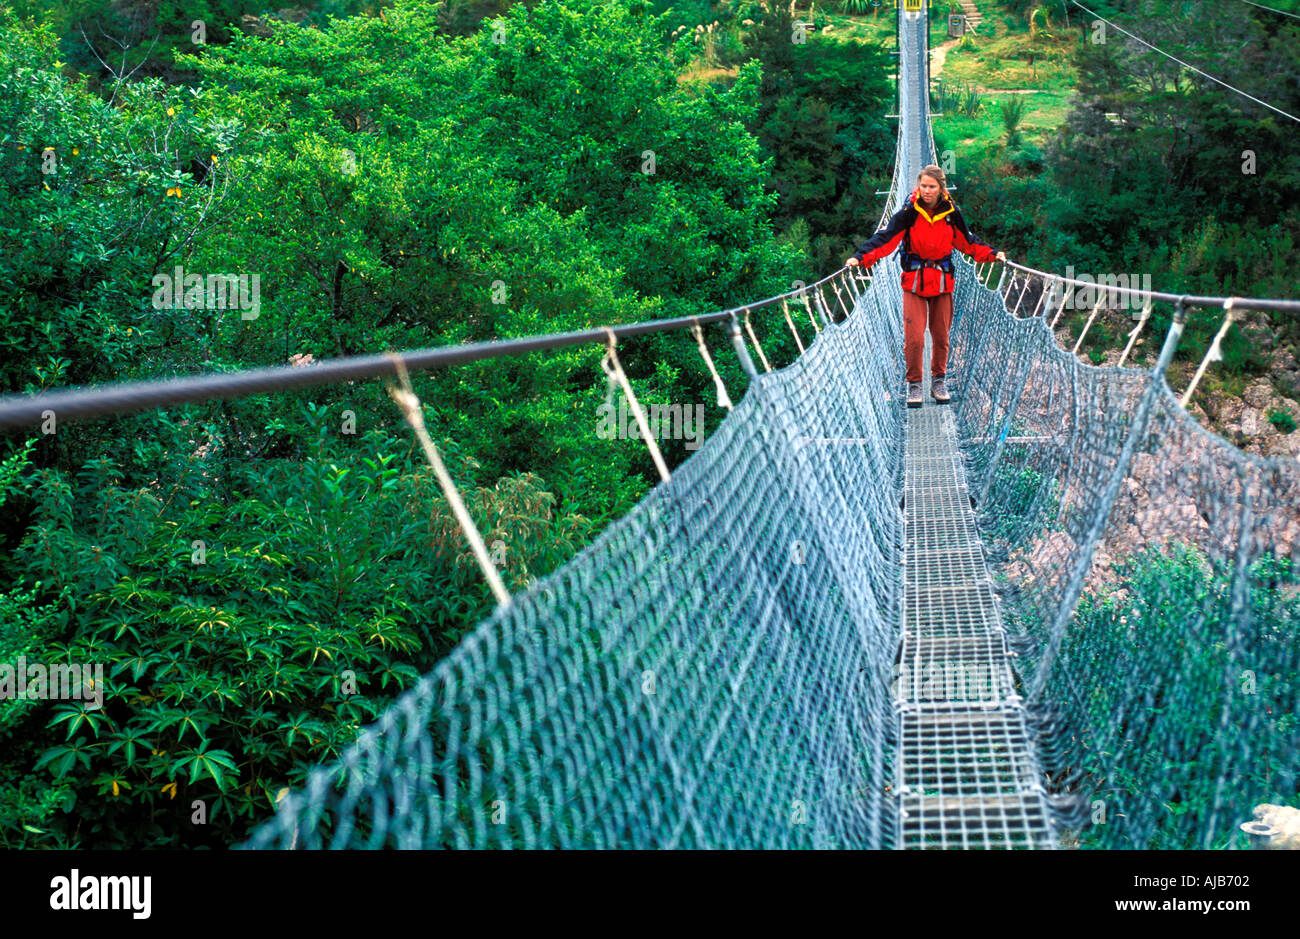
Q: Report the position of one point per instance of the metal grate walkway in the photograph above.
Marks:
(966, 774)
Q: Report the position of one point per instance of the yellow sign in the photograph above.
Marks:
(912, 6)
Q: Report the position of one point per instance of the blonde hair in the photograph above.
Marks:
(938, 175)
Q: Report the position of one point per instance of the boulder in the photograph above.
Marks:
(1253, 424)
(1286, 371)
(1284, 444)
(1145, 467)
(1259, 331)
(1258, 393)
(1224, 408)
(1286, 821)
(254, 25)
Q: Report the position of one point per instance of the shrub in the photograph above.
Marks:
(1282, 419)
(1028, 159)
(1150, 668)
(1013, 111)
(248, 627)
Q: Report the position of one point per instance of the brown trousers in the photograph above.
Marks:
(917, 312)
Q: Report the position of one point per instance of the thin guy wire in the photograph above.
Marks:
(1186, 64)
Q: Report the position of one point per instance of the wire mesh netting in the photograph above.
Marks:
(712, 671)
(715, 669)
(1167, 701)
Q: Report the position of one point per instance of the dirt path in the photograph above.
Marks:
(938, 55)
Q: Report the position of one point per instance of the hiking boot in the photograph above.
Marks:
(914, 396)
(939, 391)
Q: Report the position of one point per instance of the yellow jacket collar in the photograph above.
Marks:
(916, 202)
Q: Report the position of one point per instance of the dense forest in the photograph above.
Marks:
(1157, 168)
(260, 577)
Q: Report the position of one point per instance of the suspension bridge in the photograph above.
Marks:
(1056, 611)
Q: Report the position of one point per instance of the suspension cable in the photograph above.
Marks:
(1240, 303)
(1186, 64)
(1272, 9)
(24, 412)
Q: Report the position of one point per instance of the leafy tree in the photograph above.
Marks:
(391, 186)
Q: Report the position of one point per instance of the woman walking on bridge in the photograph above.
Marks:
(929, 227)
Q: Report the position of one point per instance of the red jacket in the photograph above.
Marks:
(928, 239)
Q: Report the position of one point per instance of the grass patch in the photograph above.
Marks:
(1004, 61)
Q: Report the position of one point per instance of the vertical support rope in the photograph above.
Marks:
(749, 328)
(742, 352)
(1132, 337)
(825, 308)
(1052, 298)
(724, 399)
(1021, 382)
(1075, 419)
(1214, 353)
(1021, 297)
(614, 369)
(1234, 656)
(808, 306)
(1060, 312)
(1086, 327)
(1006, 294)
(1088, 544)
(411, 410)
(847, 281)
(851, 287)
(1042, 298)
(838, 298)
(785, 308)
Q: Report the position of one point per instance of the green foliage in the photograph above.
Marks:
(1022, 499)
(26, 627)
(1013, 111)
(90, 207)
(1282, 419)
(1040, 22)
(248, 637)
(1158, 673)
(423, 177)
(393, 186)
(543, 198)
(1155, 171)
(820, 116)
(1029, 159)
(958, 97)
(970, 101)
